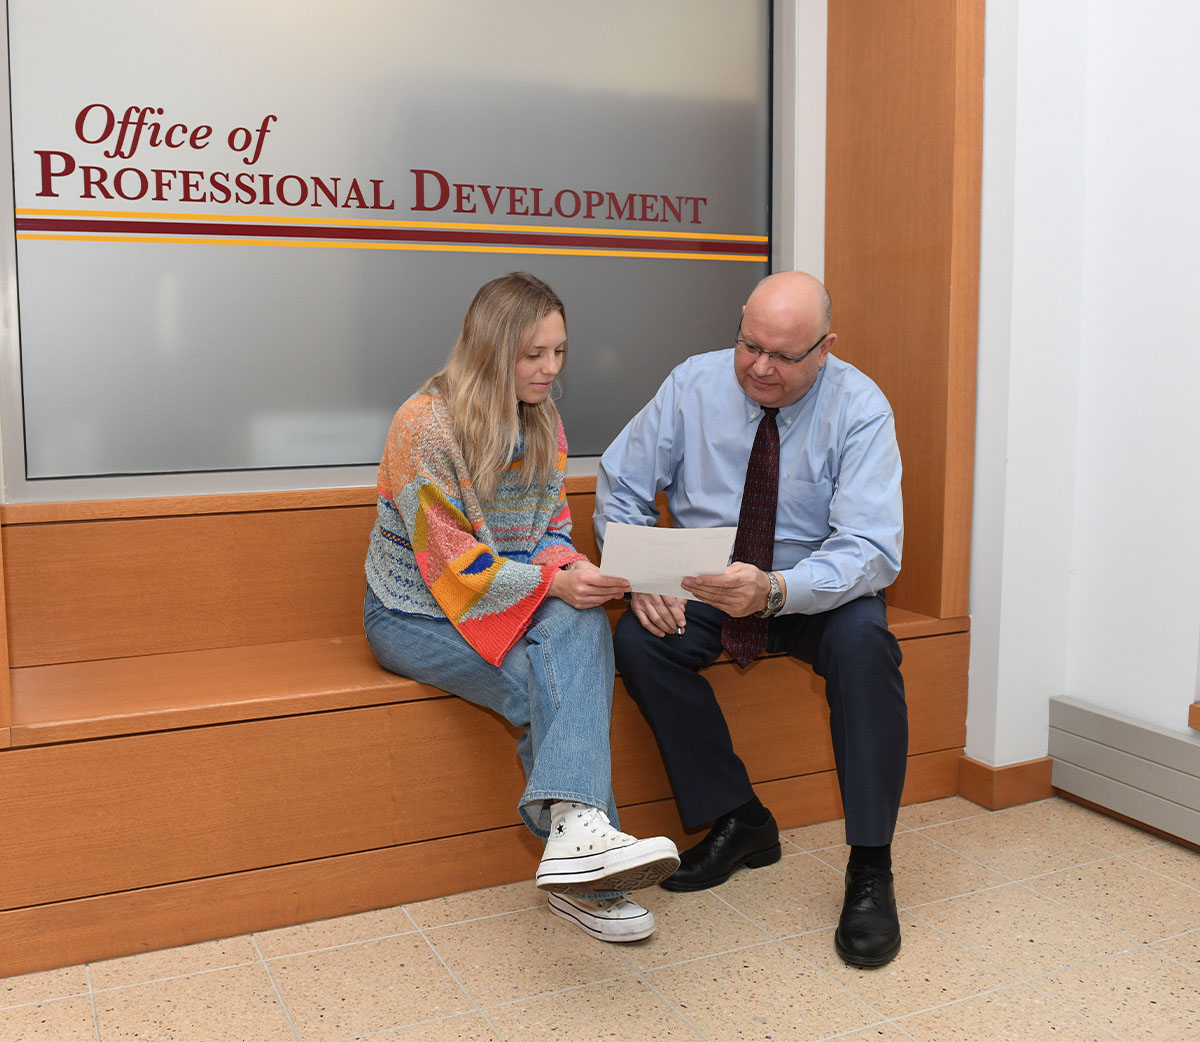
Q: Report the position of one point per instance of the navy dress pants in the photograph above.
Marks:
(850, 647)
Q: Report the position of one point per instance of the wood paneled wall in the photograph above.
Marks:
(904, 140)
(145, 585)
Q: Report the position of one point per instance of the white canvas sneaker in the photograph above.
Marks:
(608, 919)
(586, 854)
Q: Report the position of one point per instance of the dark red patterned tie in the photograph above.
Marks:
(746, 638)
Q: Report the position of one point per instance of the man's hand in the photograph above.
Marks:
(581, 585)
(662, 616)
(739, 590)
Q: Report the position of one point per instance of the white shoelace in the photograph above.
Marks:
(610, 904)
(595, 821)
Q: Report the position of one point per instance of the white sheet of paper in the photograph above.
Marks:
(654, 560)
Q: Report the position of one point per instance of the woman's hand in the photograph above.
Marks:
(581, 585)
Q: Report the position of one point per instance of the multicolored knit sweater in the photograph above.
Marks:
(437, 551)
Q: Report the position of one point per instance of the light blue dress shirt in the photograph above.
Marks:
(839, 528)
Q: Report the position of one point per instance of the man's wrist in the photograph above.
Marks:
(765, 587)
(776, 594)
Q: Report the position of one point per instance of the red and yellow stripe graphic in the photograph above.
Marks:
(350, 233)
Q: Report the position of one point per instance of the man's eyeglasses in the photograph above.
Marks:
(755, 352)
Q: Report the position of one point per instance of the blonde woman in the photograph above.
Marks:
(473, 585)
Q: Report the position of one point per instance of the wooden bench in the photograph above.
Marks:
(196, 742)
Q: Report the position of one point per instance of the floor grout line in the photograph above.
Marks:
(1156, 872)
(1020, 978)
(453, 976)
(883, 1017)
(275, 985)
(334, 947)
(176, 976)
(1054, 900)
(91, 994)
(553, 992)
(1078, 1012)
(644, 975)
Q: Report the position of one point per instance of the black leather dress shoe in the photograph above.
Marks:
(729, 845)
(868, 932)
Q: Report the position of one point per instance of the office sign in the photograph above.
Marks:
(247, 230)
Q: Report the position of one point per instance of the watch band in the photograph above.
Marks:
(774, 598)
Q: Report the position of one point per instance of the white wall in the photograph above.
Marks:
(1135, 598)
(1087, 486)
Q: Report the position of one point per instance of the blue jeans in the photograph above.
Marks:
(555, 684)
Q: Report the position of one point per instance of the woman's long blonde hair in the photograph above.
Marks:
(479, 387)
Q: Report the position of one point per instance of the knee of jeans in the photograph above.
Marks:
(557, 619)
(555, 613)
(594, 621)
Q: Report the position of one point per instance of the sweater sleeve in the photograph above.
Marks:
(489, 598)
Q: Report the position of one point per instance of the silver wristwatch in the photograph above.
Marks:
(774, 598)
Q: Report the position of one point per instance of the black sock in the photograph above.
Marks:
(875, 857)
(751, 813)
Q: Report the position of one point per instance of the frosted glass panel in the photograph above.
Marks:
(246, 231)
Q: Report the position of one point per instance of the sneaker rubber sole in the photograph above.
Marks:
(637, 866)
(615, 930)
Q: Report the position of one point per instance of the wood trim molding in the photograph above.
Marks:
(1194, 716)
(5, 677)
(580, 483)
(1006, 786)
(231, 503)
(173, 506)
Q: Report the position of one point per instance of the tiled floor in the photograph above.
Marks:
(1040, 922)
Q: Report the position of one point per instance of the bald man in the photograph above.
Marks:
(817, 586)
